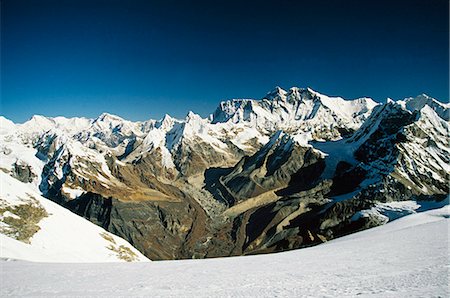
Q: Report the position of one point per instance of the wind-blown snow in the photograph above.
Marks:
(406, 258)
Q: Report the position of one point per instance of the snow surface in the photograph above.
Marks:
(408, 257)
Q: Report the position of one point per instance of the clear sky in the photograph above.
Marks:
(142, 59)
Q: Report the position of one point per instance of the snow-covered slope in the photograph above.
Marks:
(51, 233)
(406, 258)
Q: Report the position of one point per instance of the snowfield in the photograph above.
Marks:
(408, 257)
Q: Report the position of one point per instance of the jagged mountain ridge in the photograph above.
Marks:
(297, 109)
(257, 176)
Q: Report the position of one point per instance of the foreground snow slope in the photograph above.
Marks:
(61, 235)
(406, 258)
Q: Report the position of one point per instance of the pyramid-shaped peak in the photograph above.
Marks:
(39, 118)
(192, 116)
(417, 103)
(108, 117)
(166, 121)
(276, 93)
(167, 118)
(40, 121)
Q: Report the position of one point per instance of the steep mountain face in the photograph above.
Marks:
(271, 168)
(293, 169)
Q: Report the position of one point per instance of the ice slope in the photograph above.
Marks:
(406, 258)
(63, 235)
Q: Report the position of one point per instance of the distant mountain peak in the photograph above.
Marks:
(418, 102)
(192, 116)
(108, 117)
(39, 118)
(277, 92)
(166, 121)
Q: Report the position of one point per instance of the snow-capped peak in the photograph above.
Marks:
(418, 102)
(194, 124)
(37, 124)
(107, 122)
(277, 93)
(298, 108)
(310, 90)
(264, 142)
(315, 93)
(39, 120)
(191, 116)
(106, 117)
(295, 90)
(166, 122)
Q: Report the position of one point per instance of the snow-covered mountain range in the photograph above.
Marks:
(293, 169)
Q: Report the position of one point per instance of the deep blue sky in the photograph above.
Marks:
(141, 59)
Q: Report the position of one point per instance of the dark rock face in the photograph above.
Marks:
(158, 229)
(346, 178)
(306, 177)
(279, 164)
(195, 156)
(150, 163)
(382, 142)
(51, 184)
(23, 173)
(93, 207)
(214, 186)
